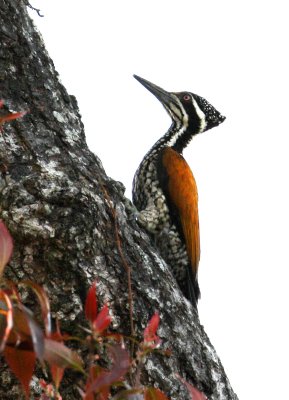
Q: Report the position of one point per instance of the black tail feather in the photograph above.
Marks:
(191, 289)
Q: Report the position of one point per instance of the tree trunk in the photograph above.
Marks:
(70, 223)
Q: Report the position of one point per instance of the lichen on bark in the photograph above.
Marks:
(57, 203)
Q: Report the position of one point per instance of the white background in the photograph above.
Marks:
(233, 53)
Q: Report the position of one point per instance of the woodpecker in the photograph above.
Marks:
(164, 188)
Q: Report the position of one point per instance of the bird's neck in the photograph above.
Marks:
(177, 137)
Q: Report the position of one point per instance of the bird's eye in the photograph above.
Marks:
(187, 97)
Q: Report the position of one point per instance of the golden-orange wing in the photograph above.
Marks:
(183, 195)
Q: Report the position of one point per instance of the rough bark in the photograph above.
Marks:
(68, 219)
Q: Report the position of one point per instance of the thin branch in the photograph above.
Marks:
(26, 2)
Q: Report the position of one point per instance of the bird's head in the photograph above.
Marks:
(186, 109)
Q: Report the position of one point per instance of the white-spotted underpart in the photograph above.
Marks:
(191, 114)
(154, 216)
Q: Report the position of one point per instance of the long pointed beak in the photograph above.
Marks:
(162, 95)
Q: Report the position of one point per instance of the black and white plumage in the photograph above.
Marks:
(164, 189)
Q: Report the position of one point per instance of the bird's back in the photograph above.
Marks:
(165, 193)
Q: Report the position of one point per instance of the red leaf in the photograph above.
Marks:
(150, 337)
(152, 326)
(94, 372)
(22, 363)
(121, 364)
(56, 372)
(23, 319)
(91, 304)
(102, 321)
(6, 246)
(6, 319)
(195, 393)
(154, 394)
(11, 117)
(25, 332)
(44, 304)
(57, 354)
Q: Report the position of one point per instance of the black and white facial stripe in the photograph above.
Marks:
(201, 114)
(213, 117)
(191, 114)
